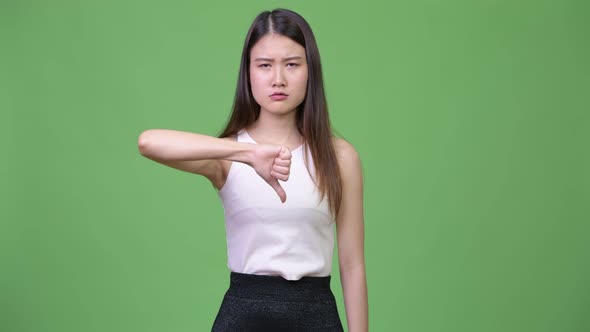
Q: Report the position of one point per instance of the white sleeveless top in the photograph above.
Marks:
(267, 237)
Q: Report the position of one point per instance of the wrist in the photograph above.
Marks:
(246, 153)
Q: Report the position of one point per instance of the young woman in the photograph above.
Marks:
(285, 182)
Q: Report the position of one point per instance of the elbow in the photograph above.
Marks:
(143, 142)
(351, 261)
(352, 267)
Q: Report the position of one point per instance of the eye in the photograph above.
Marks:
(292, 64)
(264, 65)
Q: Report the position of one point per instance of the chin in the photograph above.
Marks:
(279, 109)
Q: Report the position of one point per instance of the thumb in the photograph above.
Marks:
(285, 153)
(274, 183)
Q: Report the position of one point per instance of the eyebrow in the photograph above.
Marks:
(285, 59)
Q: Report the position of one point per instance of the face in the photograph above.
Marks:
(278, 74)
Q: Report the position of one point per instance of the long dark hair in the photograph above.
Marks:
(312, 118)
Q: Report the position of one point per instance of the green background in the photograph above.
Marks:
(471, 119)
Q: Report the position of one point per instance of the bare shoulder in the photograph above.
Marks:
(346, 153)
(349, 163)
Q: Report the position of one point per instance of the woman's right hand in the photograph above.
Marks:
(273, 163)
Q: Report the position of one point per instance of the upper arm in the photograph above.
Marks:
(350, 218)
(213, 169)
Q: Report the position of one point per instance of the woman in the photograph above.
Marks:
(285, 182)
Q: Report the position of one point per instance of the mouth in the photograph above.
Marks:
(278, 96)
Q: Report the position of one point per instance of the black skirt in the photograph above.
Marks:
(272, 303)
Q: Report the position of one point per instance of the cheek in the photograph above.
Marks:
(302, 83)
(255, 82)
(257, 87)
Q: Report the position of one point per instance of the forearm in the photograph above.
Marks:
(167, 144)
(354, 286)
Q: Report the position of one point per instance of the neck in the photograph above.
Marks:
(275, 129)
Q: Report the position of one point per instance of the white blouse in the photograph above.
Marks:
(264, 236)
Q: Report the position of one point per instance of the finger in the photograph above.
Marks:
(282, 162)
(282, 177)
(280, 169)
(285, 153)
(280, 191)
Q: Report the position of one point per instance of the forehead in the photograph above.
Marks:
(276, 46)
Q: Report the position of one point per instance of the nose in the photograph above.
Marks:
(278, 77)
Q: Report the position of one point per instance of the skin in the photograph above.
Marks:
(277, 64)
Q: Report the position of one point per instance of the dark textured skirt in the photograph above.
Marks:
(272, 303)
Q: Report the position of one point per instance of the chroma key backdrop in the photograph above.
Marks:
(470, 117)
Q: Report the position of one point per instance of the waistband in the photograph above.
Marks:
(277, 288)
